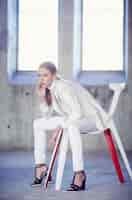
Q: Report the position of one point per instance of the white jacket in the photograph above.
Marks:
(73, 102)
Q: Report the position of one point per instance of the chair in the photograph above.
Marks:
(108, 128)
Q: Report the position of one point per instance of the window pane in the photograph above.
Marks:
(38, 33)
(102, 35)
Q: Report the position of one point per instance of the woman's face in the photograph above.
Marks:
(45, 77)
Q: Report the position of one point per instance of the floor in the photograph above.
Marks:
(16, 174)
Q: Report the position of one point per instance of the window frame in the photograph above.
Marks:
(96, 77)
(15, 76)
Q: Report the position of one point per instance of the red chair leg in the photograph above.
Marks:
(114, 155)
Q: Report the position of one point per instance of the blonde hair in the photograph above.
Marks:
(50, 66)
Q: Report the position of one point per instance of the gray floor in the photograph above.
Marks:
(16, 173)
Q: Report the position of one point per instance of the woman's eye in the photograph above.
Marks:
(42, 75)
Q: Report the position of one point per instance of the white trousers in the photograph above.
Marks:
(42, 125)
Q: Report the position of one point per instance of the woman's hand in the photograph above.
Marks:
(40, 90)
(54, 136)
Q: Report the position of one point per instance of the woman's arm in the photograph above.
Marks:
(43, 107)
(40, 91)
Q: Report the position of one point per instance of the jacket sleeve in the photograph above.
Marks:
(45, 110)
(42, 109)
(69, 98)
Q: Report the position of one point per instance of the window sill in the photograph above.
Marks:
(23, 78)
(100, 77)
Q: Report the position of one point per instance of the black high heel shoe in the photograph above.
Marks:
(37, 181)
(75, 187)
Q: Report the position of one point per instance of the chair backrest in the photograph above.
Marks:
(117, 89)
(105, 117)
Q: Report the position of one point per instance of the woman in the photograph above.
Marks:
(64, 104)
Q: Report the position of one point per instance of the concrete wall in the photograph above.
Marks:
(18, 104)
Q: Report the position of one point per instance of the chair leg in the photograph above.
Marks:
(114, 156)
(53, 157)
(121, 148)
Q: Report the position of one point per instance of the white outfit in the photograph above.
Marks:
(75, 110)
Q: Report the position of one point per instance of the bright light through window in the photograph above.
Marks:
(102, 35)
(38, 33)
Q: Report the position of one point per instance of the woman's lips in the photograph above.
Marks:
(43, 84)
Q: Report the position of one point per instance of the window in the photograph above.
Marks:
(102, 37)
(100, 41)
(37, 33)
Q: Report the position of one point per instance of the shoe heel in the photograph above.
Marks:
(50, 178)
(84, 184)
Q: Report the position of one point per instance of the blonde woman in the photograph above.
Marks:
(73, 113)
